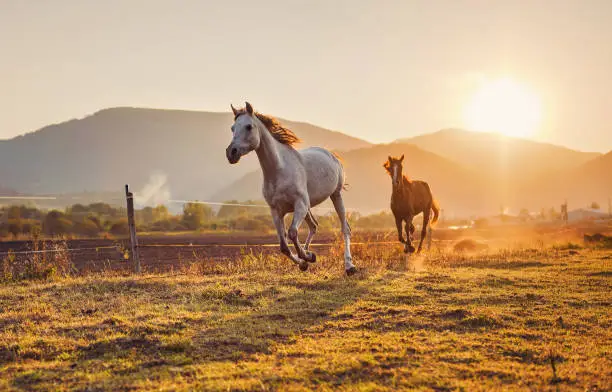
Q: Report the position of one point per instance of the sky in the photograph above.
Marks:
(379, 70)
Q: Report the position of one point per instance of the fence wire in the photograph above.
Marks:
(177, 201)
(118, 248)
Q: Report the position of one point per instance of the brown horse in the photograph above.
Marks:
(408, 199)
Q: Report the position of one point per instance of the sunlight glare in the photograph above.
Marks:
(506, 107)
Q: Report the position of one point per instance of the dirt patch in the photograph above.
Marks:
(470, 245)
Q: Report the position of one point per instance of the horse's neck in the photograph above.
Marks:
(401, 188)
(268, 153)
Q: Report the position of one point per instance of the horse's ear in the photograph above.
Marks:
(234, 110)
(249, 108)
(402, 158)
(390, 159)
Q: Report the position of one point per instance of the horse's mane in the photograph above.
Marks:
(406, 179)
(279, 132)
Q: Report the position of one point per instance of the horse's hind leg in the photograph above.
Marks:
(426, 216)
(312, 226)
(279, 223)
(300, 212)
(349, 267)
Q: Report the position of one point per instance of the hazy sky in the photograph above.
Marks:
(379, 70)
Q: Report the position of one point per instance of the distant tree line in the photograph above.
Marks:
(101, 219)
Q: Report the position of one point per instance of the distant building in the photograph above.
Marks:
(581, 214)
(504, 219)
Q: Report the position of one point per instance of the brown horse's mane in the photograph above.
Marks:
(281, 133)
(407, 179)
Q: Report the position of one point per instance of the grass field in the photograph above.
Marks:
(527, 319)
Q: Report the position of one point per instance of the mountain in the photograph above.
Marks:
(181, 155)
(458, 189)
(497, 155)
(118, 146)
(580, 186)
(7, 192)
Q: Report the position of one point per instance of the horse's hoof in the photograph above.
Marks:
(351, 271)
(303, 266)
(312, 258)
(409, 249)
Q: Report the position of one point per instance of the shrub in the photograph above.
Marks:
(14, 227)
(120, 227)
(4, 230)
(31, 227)
(86, 228)
(195, 214)
(250, 224)
(56, 223)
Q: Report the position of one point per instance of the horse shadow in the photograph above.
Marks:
(285, 318)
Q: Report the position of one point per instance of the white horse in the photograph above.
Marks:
(294, 181)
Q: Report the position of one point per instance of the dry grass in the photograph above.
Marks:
(520, 319)
(45, 261)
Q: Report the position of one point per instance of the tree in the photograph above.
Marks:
(160, 213)
(77, 209)
(31, 227)
(120, 227)
(595, 205)
(553, 214)
(14, 227)
(195, 214)
(14, 212)
(233, 209)
(149, 215)
(145, 216)
(56, 223)
(87, 227)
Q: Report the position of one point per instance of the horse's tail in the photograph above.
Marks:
(436, 209)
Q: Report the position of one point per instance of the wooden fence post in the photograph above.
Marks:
(135, 255)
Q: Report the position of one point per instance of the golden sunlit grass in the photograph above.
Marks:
(530, 318)
(504, 106)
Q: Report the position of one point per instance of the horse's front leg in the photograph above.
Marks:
(279, 223)
(398, 224)
(408, 248)
(349, 267)
(300, 210)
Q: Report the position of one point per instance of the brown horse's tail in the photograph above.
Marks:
(436, 209)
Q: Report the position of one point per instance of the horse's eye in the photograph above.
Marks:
(248, 127)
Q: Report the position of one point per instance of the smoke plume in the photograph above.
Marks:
(154, 193)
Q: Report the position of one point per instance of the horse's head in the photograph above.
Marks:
(246, 134)
(394, 168)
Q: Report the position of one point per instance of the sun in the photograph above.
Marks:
(504, 106)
